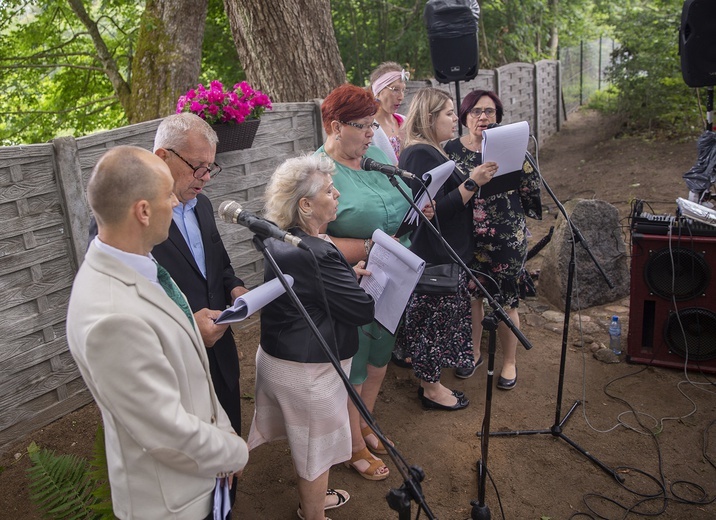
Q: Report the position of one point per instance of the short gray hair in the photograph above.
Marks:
(293, 180)
(174, 131)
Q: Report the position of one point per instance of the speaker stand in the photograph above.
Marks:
(457, 107)
(710, 109)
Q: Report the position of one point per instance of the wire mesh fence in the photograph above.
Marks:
(583, 68)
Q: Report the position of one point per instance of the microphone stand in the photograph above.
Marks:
(557, 428)
(480, 511)
(398, 500)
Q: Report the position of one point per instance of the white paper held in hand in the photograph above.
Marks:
(255, 299)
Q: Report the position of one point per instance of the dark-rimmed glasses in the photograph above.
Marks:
(199, 171)
(477, 112)
(361, 126)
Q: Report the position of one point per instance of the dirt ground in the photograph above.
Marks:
(533, 477)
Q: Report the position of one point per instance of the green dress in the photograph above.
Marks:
(368, 202)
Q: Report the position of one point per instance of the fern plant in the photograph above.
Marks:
(68, 487)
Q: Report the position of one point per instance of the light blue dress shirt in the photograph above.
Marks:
(185, 219)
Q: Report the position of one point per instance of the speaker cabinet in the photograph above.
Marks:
(672, 314)
(454, 59)
(697, 45)
(452, 33)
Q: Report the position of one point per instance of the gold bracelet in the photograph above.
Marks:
(366, 245)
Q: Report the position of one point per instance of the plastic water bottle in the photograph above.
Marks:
(615, 335)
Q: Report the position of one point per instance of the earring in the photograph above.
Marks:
(338, 138)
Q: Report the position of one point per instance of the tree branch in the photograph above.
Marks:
(121, 87)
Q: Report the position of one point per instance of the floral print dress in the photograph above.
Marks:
(500, 227)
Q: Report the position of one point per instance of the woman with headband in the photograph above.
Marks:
(387, 82)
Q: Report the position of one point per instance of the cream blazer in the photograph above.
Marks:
(167, 438)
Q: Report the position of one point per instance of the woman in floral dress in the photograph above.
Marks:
(499, 229)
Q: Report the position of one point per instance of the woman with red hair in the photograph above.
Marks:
(368, 202)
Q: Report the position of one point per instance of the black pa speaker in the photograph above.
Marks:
(672, 308)
(452, 33)
(697, 43)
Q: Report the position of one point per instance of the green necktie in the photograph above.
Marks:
(165, 280)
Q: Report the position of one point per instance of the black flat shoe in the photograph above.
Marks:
(456, 393)
(507, 384)
(466, 372)
(428, 404)
(400, 362)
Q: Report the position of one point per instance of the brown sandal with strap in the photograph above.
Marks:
(374, 465)
(380, 447)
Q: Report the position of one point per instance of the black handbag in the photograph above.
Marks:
(439, 280)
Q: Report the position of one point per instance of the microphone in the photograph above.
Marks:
(368, 164)
(493, 125)
(230, 211)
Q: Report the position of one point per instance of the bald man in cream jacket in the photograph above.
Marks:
(141, 355)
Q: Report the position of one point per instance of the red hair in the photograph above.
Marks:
(346, 103)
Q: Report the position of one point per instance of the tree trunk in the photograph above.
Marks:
(553, 31)
(287, 47)
(168, 57)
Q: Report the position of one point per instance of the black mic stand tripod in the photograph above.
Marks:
(556, 429)
(398, 500)
(480, 511)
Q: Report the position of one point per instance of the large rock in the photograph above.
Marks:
(598, 222)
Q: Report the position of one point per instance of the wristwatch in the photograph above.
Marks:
(470, 185)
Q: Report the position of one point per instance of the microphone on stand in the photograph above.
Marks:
(230, 211)
(368, 164)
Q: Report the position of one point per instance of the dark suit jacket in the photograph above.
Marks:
(214, 292)
(454, 216)
(284, 333)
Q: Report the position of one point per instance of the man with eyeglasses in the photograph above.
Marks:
(194, 254)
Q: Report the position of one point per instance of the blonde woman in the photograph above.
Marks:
(437, 329)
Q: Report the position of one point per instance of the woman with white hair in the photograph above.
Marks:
(299, 394)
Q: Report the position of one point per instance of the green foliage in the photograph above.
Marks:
(646, 71)
(219, 59)
(59, 484)
(52, 81)
(99, 473)
(370, 32)
(67, 486)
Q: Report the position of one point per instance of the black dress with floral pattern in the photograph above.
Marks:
(499, 226)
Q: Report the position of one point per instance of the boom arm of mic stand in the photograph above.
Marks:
(578, 237)
(410, 474)
(502, 315)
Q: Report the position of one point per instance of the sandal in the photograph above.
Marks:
(379, 449)
(370, 472)
(340, 494)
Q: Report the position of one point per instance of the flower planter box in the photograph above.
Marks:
(236, 136)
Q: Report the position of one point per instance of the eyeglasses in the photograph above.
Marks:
(360, 126)
(397, 90)
(199, 171)
(477, 112)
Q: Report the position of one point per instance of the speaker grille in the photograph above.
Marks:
(692, 330)
(679, 273)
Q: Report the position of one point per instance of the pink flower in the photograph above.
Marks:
(219, 105)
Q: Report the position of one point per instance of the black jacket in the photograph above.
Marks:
(454, 217)
(284, 333)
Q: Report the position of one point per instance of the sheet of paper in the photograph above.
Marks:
(255, 299)
(434, 179)
(506, 145)
(395, 270)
